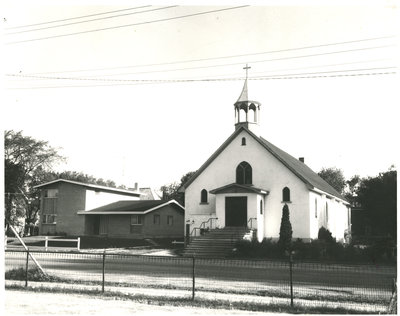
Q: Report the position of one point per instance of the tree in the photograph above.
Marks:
(378, 196)
(334, 177)
(26, 160)
(171, 191)
(350, 191)
(285, 232)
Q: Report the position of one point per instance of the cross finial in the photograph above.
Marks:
(247, 69)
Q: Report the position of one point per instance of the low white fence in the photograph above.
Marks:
(46, 240)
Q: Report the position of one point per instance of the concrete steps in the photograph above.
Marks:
(216, 243)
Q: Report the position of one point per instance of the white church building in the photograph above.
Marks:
(248, 180)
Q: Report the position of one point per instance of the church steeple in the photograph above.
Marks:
(247, 111)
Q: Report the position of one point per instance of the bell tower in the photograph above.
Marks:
(247, 111)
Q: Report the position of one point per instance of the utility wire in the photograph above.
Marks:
(223, 57)
(128, 25)
(194, 80)
(231, 64)
(78, 17)
(250, 62)
(209, 80)
(255, 72)
(108, 17)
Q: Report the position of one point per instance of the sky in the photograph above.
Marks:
(140, 93)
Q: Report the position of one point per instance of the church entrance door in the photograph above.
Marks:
(236, 211)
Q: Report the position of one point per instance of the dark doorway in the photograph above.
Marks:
(236, 211)
(96, 225)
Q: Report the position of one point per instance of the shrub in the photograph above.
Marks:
(325, 235)
(285, 232)
(34, 274)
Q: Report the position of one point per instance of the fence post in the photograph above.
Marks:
(27, 266)
(46, 242)
(104, 270)
(79, 243)
(291, 278)
(193, 277)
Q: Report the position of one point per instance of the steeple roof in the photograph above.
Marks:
(244, 96)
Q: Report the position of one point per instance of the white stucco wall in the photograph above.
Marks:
(268, 174)
(333, 214)
(96, 199)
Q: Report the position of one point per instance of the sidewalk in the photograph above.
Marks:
(19, 302)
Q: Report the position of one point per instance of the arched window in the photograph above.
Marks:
(204, 196)
(243, 141)
(286, 194)
(316, 208)
(244, 173)
(261, 207)
(326, 211)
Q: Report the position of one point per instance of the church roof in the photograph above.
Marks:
(300, 169)
(244, 96)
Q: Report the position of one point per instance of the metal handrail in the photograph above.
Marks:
(251, 222)
(203, 225)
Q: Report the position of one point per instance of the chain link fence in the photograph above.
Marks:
(354, 288)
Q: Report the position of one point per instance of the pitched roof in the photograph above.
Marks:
(239, 188)
(91, 186)
(300, 169)
(244, 96)
(131, 207)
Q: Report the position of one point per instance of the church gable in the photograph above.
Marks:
(242, 160)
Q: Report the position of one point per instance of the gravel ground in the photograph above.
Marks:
(19, 302)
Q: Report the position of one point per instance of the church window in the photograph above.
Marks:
(286, 194)
(204, 196)
(326, 211)
(243, 141)
(316, 208)
(261, 207)
(244, 173)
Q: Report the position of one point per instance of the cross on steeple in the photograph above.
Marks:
(247, 69)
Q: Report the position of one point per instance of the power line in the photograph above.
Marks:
(128, 25)
(256, 72)
(108, 17)
(78, 17)
(251, 62)
(155, 80)
(224, 57)
(273, 77)
(224, 65)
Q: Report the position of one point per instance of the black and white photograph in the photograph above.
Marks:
(223, 158)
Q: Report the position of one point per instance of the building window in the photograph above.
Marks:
(136, 224)
(243, 141)
(170, 220)
(261, 207)
(204, 196)
(326, 211)
(286, 194)
(136, 220)
(156, 219)
(51, 193)
(316, 208)
(49, 219)
(244, 173)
